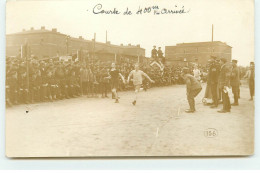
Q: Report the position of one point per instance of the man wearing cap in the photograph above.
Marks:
(193, 88)
(154, 53)
(235, 81)
(213, 81)
(250, 75)
(224, 84)
(159, 53)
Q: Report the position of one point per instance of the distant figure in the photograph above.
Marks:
(193, 89)
(235, 82)
(160, 55)
(196, 72)
(154, 53)
(250, 75)
(157, 55)
(224, 84)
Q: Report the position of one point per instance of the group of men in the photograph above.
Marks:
(49, 80)
(157, 55)
(223, 78)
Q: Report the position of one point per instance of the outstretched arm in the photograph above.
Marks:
(129, 76)
(122, 77)
(145, 75)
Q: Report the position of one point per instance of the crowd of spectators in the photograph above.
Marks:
(49, 80)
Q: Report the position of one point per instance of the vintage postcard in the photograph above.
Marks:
(129, 78)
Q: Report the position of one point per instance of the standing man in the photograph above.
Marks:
(235, 81)
(137, 80)
(154, 53)
(193, 88)
(160, 53)
(213, 81)
(224, 84)
(250, 75)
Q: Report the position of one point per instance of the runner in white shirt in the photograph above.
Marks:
(137, 80)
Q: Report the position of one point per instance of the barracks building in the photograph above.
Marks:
(45, 44)
(198, 52)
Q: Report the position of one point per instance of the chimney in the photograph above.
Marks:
(121, 44)
(129, 44)
(138, 45)
(54, 30)
(32, 28)
(80, 37)
(43, 28)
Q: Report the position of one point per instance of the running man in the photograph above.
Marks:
(137, 80)
(114, 80)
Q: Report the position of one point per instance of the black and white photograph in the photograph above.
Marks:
(129, 78)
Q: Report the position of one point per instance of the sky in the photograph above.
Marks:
(233, 22)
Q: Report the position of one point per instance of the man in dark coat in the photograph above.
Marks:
(235, 81)
(213, 80)
(250, 75)
(154, 53)
(224, 84)
(193, 88)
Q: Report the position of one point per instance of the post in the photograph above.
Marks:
(115, 57)
(106, 36)
(212, 32)
(94, 45)
(27, 66)
(21, 51)
(212, 40)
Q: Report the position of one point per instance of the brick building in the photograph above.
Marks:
(198, 52)
(45, 43)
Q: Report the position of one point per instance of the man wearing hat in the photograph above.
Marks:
(159, 52)
(250, 75)
(224, 84)
(235, 81)
(213, 80)
(193, 88)
(154, 53)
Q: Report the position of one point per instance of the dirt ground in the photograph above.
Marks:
(156, 126)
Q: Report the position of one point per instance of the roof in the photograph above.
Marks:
(54, 31)
(209, 43)
(33, 31)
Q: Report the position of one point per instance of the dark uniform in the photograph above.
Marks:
(23, 88)
(160, 55)
(60, 77)
(213, 82)
(235, 82)
(154, 53)
(224, 81)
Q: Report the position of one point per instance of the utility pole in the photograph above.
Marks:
(94, 45)
(106, 36)
(212, 39)
(212, 32)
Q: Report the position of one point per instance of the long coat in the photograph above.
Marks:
(224, 75)
(235, 77)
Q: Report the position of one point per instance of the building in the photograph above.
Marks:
(45, 43)
(198, 52)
